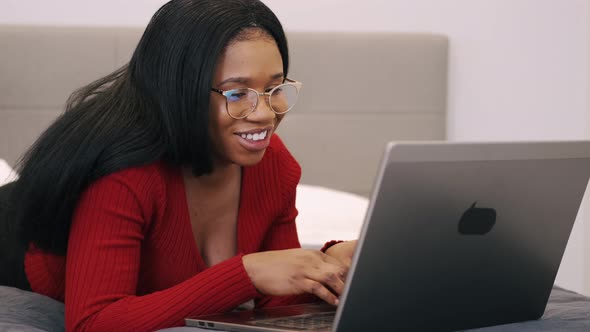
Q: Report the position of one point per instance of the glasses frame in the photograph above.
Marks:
(287, 81)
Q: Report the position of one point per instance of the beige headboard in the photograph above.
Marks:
(360, 91)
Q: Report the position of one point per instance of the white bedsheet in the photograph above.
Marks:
(326, 214)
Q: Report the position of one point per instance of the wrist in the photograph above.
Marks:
(330, 244)
(248, 261)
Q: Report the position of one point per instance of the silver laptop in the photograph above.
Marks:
(456, 236)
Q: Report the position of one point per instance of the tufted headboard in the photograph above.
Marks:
(360, 90)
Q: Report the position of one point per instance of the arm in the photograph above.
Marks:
(297, 271)
(103, 262)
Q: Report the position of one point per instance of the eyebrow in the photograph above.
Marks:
(245, 80)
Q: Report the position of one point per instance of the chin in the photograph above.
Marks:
(249, 159)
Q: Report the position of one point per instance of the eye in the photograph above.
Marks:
(236, 95)
(279, 88)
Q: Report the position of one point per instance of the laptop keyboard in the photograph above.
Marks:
(305, 322)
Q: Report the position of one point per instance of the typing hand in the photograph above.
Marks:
(296, 271)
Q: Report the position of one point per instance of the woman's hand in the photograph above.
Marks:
(343, 252)
(296, 271)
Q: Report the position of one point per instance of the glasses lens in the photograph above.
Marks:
(283, 98)
(240, 102)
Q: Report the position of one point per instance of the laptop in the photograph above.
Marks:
(456, 236)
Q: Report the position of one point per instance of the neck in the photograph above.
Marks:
(221, 174)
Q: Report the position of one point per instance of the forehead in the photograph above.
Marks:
(255, 59)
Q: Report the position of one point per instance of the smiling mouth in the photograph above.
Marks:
(257, 136)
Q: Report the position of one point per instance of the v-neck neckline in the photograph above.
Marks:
(197, 255)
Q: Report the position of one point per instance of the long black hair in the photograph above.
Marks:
(155, 108)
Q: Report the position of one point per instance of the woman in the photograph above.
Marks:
(163, 192)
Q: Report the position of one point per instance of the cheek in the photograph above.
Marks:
(221, 129)
(217, 116)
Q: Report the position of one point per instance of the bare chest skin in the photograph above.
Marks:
(213, 205)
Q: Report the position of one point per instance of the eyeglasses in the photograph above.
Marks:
(242, 102)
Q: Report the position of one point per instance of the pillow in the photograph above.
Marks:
(7, 174)
(27, 311)
(327, 214)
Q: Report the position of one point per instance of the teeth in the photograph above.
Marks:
(255, 137)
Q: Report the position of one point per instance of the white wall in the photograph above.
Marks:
(519, 69)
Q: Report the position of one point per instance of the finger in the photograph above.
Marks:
(328, 277)
(317, 289)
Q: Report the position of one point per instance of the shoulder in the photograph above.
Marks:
(286, 165)
(144, 178)
(276, 143)
(277, 150)
(140, 186)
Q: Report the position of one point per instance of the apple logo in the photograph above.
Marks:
(477, 221)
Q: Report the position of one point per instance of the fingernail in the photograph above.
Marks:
(336, 302)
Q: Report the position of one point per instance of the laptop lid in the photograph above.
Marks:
(464, 235)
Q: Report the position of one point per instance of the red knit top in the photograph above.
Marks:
(132, 261)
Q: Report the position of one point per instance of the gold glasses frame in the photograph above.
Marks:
(268, 94)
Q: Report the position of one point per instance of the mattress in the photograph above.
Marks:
(26, 311)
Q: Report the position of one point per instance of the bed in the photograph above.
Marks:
(360, 91)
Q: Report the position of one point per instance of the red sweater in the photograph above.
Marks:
(132, 262)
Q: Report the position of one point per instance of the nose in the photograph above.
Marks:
(263, 110)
